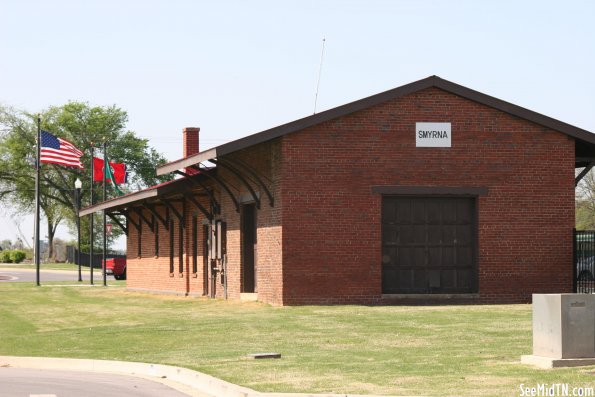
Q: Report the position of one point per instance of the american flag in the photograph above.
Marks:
(59, 151)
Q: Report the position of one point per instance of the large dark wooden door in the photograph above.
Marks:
(428, 245)
(248, 225)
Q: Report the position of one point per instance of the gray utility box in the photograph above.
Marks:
(564, 325)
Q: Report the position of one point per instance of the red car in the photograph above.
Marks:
(116, 267)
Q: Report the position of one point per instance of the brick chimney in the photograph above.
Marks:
(191, 145)
(191, 141)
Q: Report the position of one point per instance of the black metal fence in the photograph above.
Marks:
(97, 258)
(584, 261)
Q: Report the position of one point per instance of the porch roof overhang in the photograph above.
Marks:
(119, 202)
(156, 191)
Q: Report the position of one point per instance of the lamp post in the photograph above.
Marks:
(77, 198)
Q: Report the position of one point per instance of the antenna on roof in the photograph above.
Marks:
(319, 73)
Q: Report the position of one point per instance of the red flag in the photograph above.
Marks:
(118, 170)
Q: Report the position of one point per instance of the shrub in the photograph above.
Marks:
(29, 253)
(5, 256)
(18, 256)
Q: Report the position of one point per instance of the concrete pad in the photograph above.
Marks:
(248, 297)
(549, 362)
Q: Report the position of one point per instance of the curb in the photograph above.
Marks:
(198, 381)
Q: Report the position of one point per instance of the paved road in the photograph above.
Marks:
(16, 275)
(18, 382)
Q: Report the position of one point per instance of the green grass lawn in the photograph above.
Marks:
(396, 350)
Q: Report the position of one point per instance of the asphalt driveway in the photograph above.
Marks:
(43, 382)
(28, 275)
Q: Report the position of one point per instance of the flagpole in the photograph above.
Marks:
(92, 214)
(37, 201)
(105, 165)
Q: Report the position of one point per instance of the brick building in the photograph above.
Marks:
(427, 192)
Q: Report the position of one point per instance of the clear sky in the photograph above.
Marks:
(234, 68)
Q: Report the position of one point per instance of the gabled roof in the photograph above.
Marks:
(433, 81)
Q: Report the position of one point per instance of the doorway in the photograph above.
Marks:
(428, 245)
(249, 247)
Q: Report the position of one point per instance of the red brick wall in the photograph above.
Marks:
(321, 241)
(331, 220)
(195, 281)
(265, 160)
(151, 273)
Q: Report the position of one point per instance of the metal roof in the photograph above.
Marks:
(585, 140)
(432, 81)
(144, 194)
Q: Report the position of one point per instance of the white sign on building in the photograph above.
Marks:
(432, 134)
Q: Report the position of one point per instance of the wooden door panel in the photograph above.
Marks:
(428, 245)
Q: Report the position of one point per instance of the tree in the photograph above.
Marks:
(585, 203)
(85, 126)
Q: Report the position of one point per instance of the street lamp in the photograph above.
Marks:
(77, 199)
